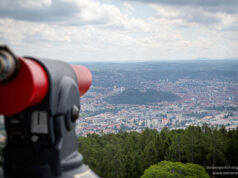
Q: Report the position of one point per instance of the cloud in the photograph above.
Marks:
(106, 15)
(67, 12)
(71, 13)
(229, 6)
(42, 10)
(203, 12)
(128, 8)
(187, 15)
(86, 42)
(90, 30)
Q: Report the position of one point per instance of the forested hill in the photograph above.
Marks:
(135, 96)
(125, 154)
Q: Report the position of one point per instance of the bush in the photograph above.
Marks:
(168, 169)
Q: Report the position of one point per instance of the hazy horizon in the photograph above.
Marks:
(155, 60)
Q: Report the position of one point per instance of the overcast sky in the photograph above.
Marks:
(121, 30)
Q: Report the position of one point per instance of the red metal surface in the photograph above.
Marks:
(84, 78)
(28, 88)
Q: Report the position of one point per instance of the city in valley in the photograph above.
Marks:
(198, 92)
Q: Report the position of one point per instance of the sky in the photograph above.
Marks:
(120, 30)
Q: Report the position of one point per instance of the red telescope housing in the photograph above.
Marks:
(30, 85)
(26, 89)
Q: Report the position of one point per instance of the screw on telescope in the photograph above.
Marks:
(8, 64)
(75, 113)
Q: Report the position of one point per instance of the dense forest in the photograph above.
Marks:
(130, 154)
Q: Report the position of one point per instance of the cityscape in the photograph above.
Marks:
(212, 101)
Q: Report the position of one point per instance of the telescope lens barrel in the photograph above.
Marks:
(84, 77)
(8, 64)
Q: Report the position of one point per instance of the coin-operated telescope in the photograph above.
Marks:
(40, 100)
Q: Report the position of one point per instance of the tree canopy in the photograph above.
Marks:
(130, 154)
(168, 169)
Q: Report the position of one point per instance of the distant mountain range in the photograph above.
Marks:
(135, 96)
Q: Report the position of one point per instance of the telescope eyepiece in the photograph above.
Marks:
(8, 64)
